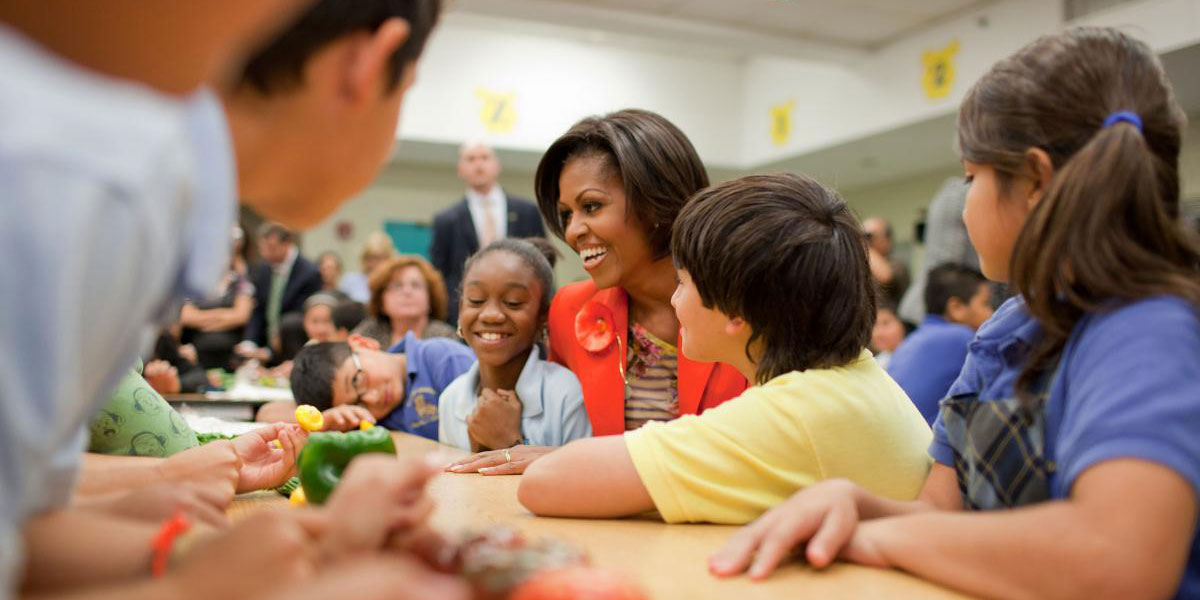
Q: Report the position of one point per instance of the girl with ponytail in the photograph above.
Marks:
(1067, 453)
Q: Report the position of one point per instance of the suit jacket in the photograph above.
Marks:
(455, 240)
(303, 281)
(702, 385)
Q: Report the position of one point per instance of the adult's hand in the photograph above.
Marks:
(510, 461)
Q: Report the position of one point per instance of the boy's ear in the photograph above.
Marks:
(736, 326)
(372, 59)
(956, 310)
(360, 342)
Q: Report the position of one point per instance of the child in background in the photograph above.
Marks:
(346, 316)
(794, 316)
(510, 396)
(318, 318)
(888, 332)
(957, 301)
(1067, 460)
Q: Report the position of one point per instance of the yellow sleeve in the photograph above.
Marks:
(728, 465)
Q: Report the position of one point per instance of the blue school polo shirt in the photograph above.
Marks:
(432, 365)
(929, 360)
(1129, 388)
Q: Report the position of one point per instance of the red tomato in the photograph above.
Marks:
(578, 583)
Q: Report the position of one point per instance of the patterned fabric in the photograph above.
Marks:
(1000, 449)
(651, 379)
(138, 422)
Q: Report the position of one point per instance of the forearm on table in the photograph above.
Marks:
(150, 589)
(104, 474)
(594, 477)
(1125, 532)
(70, 548)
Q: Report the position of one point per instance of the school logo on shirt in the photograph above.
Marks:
(781, 122)
(498, 112)
(938, 77)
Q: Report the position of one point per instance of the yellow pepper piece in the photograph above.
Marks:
(365, 424)
(309, 418)
(297, 498)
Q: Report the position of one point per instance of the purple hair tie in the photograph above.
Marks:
(1127, 116)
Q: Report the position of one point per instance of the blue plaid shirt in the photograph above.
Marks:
(1129, 388)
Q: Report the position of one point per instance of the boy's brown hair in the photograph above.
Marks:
(785, 254)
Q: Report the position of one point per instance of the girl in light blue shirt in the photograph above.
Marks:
(510, 396)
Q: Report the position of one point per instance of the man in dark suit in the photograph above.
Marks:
(484, 215)
(283, 280)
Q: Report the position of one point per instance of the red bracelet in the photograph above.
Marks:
(165, 538)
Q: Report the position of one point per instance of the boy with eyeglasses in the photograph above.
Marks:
(355, 381)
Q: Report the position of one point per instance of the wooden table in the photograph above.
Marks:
(668, 560)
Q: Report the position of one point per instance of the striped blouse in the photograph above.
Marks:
(651, 379)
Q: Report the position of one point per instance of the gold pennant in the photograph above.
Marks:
(498, 112)
(781, 122)
(938, 76)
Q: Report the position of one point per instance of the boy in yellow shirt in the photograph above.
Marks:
(773, 280)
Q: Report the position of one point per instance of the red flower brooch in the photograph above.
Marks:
(594, 327)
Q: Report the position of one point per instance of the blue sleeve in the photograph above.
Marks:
(968, 382)
(1133, 391)
(446, 361)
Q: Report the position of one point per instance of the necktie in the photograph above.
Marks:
(488, 235)
(275, 304)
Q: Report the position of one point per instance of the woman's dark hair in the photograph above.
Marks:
(280, 64)
(785, 254)
(1108, 226)
(533, 254)
(656, 162)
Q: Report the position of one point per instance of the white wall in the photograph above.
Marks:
(556, 82)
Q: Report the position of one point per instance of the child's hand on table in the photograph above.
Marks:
(264, 465)
(824, 515)
(346, 417)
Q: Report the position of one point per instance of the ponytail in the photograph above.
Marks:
(1108, 229)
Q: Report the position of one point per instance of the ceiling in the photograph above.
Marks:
(847, 24)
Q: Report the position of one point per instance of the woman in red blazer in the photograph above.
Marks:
(611, 188)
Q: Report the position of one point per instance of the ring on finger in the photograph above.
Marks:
(507, 456)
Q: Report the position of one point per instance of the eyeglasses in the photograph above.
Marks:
(357, 379)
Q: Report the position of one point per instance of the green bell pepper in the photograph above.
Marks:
(327, 453)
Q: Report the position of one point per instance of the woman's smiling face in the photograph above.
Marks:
(599, 223)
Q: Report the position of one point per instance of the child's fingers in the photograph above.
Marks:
(735, 556)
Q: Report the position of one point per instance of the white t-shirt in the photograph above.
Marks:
(111, 200)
